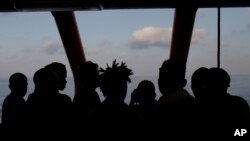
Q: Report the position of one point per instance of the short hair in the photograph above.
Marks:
(171, 76)
(17, 78)
(199, 76)
(147, 89)
(218, 77)
(44, 77)
(146, 85)
(86, 68)
(56, 67)
(199, 82)
(175, 68)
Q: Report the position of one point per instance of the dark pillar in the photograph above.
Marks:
(71, 39)
(182, 33)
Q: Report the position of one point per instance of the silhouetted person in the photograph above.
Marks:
(13, 109)
(227, 112)
(61, 73)
(47, 108)
(175, 110)
(135, 99)
(199, 84)
(143, 98)
(113, 117)
(87, 98)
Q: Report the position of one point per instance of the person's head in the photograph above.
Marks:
(61, 72)
(18, 84)
(199, 82)
(114, 80)
(88, 73)
(171, 76)
(146, 89)
(45, 80)
(218, 81)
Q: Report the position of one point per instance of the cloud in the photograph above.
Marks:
(98, 47)
(94, 50)
(123, 54)
(198, 35)
(151, 36)
(161, 37)
(51, 47)
(104, 43)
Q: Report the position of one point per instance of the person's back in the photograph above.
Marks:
(175, 111)
(63, 100)
(143, 98)
(199, 84)
(113, 117)
(47, 109)
(87, 98)
(14, 108)
(227, 112)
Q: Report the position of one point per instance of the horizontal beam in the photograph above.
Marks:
(81, 5)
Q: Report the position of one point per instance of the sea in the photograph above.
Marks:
(240, 86)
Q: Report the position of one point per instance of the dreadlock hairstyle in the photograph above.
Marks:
(115, 75)
(116, 72)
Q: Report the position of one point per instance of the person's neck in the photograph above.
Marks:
(88, 90)
(114, 100)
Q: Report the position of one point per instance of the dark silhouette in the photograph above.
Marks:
(48, 110)
(227, 112)
(87, 98)
(113, 117)
(61, 73)
(199, 84)
(14, 107)
(143, 98)
(176, 109)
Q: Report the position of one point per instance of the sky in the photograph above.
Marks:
(141, 38)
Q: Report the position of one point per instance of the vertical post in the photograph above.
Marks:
(182, 33)
(67, 26)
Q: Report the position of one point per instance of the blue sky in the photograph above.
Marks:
(141, 38)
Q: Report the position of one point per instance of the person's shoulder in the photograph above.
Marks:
(65, 97)
(31, 96)
(8, 97)
(7, 100)
(238, 100)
